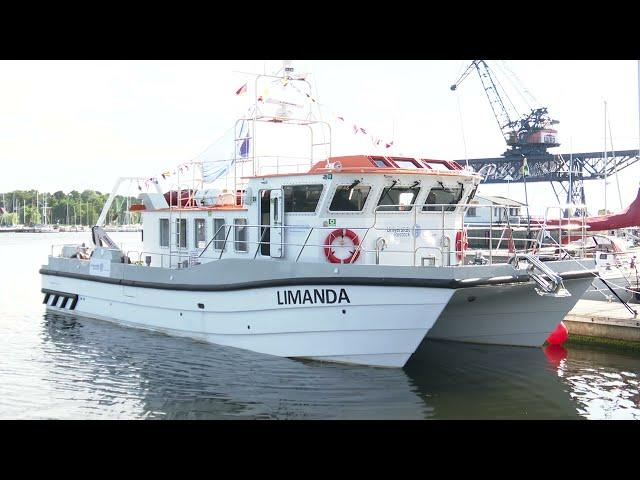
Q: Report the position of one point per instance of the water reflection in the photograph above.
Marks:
(601, 392)
(145, 374)
(120, 372)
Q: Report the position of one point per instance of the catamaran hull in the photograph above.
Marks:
(511, 314)
(377, 326)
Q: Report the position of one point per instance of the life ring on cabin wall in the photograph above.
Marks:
(342, 232)
(462, 243)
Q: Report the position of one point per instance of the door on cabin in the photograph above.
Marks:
(265, 223)
(276, 223)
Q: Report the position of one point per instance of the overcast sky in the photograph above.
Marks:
(81, 124)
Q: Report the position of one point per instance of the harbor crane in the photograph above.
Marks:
(529, 137)
(529, 134)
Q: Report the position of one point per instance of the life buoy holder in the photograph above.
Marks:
(462, 243)
(342, 232)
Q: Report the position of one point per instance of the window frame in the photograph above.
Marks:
(383, 160)
(446, 209)
(195, 232)
(292, 186)
(380, 208)
(364, 205)
(223, 232)
(165, 221)
(236, 225)
(403, 160)
(180, 237)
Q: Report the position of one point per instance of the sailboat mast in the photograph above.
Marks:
(605, 157)
(44, 209)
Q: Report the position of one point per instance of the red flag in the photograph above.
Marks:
(242, 90)
(388, 145)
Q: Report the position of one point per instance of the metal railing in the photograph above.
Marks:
(539, 239)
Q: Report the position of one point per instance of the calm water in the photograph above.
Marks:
(56, 367)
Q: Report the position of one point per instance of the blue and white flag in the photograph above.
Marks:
(218, 159)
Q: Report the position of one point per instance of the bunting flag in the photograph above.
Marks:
(242, 90)
(244, 147)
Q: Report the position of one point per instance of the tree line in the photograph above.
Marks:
(25, 207)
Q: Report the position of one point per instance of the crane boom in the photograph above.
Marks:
(525, 135)
(500, 111)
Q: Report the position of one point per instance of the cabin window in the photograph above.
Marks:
(399, 199)
(380, 162)
(436, 165)
(471, 212)
(407, 164)
(440, 197)
(181, 229)
(349, 198)
(199, 229)
(164, 232)
(301, 198)
(240, 227)
(219, 233)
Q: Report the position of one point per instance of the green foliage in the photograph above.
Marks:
(8, 219)
(74, 208)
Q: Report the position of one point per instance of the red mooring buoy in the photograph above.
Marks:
(559, 335)
(555, 354)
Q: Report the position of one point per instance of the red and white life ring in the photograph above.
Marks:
(462, 243)
(342, 232)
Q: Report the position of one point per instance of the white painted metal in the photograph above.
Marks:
(505, 314)
(379, 326)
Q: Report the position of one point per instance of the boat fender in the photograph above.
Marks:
(559, 335)
(462, 243)
(342, 232)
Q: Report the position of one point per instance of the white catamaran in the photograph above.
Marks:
(350, 259)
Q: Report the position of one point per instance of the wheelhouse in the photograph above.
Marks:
(403, 211)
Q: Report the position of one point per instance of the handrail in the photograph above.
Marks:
(448, 225)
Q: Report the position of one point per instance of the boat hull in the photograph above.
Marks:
(512, 314)
(367, 325)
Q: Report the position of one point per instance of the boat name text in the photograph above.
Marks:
(323, 295)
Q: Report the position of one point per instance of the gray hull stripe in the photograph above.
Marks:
(381, 281)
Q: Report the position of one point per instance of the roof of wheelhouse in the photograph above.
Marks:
(381, 164)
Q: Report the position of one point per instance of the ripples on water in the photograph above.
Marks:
(53, 366)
